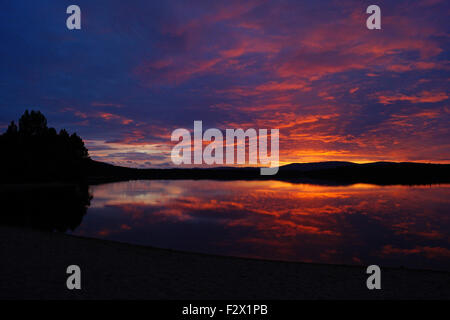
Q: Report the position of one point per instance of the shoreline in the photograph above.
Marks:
(34, 267)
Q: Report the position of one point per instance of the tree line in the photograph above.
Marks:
(33, 151)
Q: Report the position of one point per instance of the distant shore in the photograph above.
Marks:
(322, 173)
(33, 266)
(333, 173)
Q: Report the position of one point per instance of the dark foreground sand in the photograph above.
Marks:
(33, 266)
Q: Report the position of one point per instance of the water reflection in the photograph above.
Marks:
(389, 225)
(48, 207)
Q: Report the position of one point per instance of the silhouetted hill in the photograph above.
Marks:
(332, 173)
(377, 173)
(313, 166)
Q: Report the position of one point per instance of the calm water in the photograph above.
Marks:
(359, 224)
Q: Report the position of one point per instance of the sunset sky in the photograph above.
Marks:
(137, 70)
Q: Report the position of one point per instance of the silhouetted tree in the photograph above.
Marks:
(78, 147)
(12, 129)
(35, 151)
(33, 123)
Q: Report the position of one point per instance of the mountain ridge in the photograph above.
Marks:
(329, 172)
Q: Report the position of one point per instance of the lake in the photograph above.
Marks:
(358, 224)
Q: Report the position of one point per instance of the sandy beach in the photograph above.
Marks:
(33, 266)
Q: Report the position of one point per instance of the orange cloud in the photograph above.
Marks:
(423, 97)
(110, 116)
